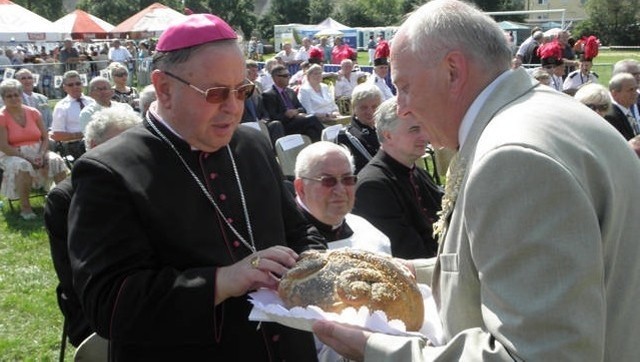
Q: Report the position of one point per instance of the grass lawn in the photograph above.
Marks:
(31, 322)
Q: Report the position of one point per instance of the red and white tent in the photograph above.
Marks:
(149, 22)
(80, 25)
(20, 25)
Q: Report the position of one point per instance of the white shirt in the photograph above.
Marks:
(344, 85)
(88, 111)
(120, 54)
(317, 103)
(302, 54)
(382, 85)
(576, 79)
(365, 237)
(287, 58)
(66, 114)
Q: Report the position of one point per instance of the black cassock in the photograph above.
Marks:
(145, 243)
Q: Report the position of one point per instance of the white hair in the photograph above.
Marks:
(106, 120)
(308, 159)
(441, 26)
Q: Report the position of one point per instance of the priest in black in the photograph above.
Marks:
(397, 197)
(175, 221)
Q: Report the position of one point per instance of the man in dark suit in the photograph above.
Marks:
(392, 193)
(168, 230)
(254, 110)
(282, 104)
(623, 88)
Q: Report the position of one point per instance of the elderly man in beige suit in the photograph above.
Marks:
(540, 258)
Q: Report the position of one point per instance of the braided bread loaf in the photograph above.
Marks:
(337, 279)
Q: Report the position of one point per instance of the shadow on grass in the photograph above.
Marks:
(17, 224)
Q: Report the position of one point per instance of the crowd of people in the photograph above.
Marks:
(173, 212)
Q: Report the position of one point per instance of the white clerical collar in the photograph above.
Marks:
(474, 109)
(164, 123)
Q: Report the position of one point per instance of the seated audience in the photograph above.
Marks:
(360, 136)
(121, 91)
(397, 197)
(100, 90)
(103, 126)
(325, 192)
(596, 97)
(316, 98)
(282, 104)
(623, 88)
(264, 79)
(24, 150)
(33, 99)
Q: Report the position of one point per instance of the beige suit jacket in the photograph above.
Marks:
(542, 258)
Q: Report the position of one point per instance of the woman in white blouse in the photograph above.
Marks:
(316, 97)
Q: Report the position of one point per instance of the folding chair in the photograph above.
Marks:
(287, 149)
(331, 133)
(260, 126)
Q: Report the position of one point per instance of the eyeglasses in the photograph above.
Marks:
(219, 94)
(287, 75)
(331, 181)
(25, 78)
(11, 95)
(598, 107)
(76, 84)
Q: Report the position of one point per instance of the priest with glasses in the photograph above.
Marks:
(176, 220)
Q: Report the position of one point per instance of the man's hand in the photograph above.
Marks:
(348, 341)
(259, 270)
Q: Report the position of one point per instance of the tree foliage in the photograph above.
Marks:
(319, 10)
(614, 22)
(50, 9)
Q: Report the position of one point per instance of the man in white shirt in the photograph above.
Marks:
(33, 99)
(379, 76)
(119, 54)
(347, 79)
(100, 90)
(302, 54)
(287, 55)
(65, 125)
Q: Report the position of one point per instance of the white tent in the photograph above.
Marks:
(329, 23)
(149, 22)
(80, 25)
(20, 25)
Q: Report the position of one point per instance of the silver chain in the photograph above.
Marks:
(252, 246)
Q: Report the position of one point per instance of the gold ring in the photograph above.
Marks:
(255, 262)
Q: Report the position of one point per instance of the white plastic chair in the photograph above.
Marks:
(331, 133)
(287, 149)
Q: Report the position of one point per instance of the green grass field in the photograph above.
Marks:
(30, 322)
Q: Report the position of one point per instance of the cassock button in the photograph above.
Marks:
(230, 220)
(222, 197)
(236, 243)
(275, 338)
(213, 175)
(206, 154)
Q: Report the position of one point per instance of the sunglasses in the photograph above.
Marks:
(219, 94)
(331, 181)
(76, 84)
(598, 107)
(283, 75)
